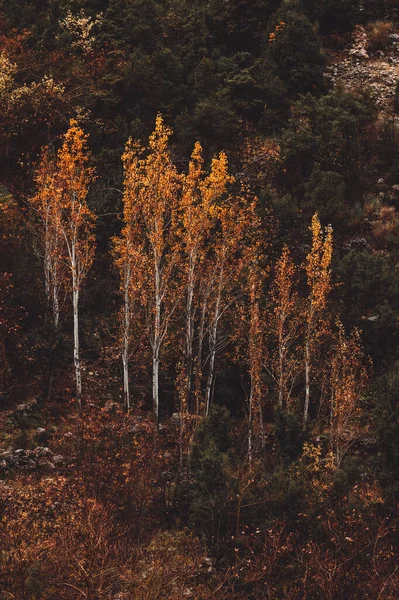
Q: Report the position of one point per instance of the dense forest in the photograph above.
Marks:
(199, 299)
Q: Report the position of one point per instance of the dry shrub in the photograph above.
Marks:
(378, 35)
(174, 566)
(371, 207)
(386, 224)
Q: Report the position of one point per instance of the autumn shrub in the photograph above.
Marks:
(383, 142)
(174, 565)
(378, 35)
(33, 512)
(371, 207)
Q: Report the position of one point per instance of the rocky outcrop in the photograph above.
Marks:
(378, 74)
(41, 458)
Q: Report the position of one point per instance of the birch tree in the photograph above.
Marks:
(285, 325)
(128, 254)
(318, 274)
(199, 194)
(47, 205)
(76, 222)
(151, 192)
(348, 379)
(256, 336)
(223, 277)
(68, 240)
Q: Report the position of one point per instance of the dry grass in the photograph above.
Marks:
(378, 35)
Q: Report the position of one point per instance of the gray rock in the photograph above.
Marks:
(175, 418)
(42, 451)
(58, 459)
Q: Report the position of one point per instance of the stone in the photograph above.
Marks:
(175, 418)
(42, 451)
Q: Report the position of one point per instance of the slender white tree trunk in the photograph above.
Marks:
(307, 384)
(47, 275)
(189, 334)
(56, 306)
(47, 257)
(281, 376)
(76, 352)
(125, 344)
(250, 424)
(212, 357)
(198, 371)
(262, 429)
(155, 385)
(156, 343)
(56, 292)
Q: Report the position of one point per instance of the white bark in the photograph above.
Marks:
(307, 385)
(155, 386)
(250, 424)
(51, 273)
(75, 303)
(157, 339)
(76, 354)
(212, 348)
(281, 359)
(198, 373)
(125, 344)
(189, 333)
(56, 305)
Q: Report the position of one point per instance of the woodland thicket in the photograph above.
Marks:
(199, 303)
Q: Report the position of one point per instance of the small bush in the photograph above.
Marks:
(378, 35)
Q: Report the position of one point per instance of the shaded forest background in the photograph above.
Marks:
(99, 504)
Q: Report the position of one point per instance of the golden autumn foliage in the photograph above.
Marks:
(74, 178)
(348, 380)
(229, 442)
(201, 195)
(180, 244)
(285, 324)
(318, 274)
(318, 269)
(68, 237)
(149, 253)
